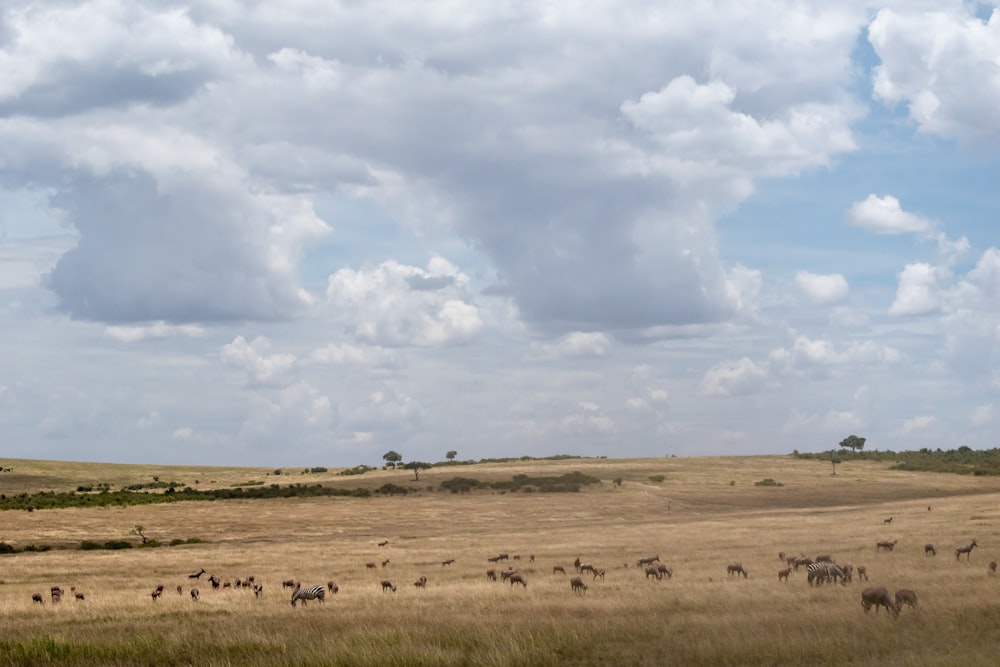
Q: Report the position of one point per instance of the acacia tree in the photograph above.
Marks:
(416, 467)
(451, 455)
(853, 442)
(392, 458)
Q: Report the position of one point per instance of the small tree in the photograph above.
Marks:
(138, 530)
(392, 458)
(416, 467)
(853, 442)
(451, 455)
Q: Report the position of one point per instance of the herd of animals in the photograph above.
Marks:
(819, 570)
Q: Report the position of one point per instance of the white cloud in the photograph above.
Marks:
(575, 344)
(263, 369)
(918, 292)
(918, 425)
(983, 415)
(132, 334)
(734, 379)
(822, 289)
(884, 215)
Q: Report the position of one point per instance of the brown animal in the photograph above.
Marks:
(37, 597)
(332, 587)
(992, 567)
(586, 568)
(289, 583)
(57, 593)
(824, 558)
(783, 574)
(194, 593)
(599, 572)
(885, 544)
(576, 583)
(197, 575)
(848, 571)
(180, 590)
(518, 578)
(447, 562)
(78, 595)
(383, 543)
(906, 596)
(801, 561)
(967, 550)
(737, 569)
(388, 586)
(421, 582)
(651, 571)
(156, 594)
(929, 550)
(889, 520)
(662, 569)
(648, 561)
(370, 566)
(258, 590)
(385, 562)
(878, 596)
(491, 575)
(506, 574)
(862, 572)
(558, 568)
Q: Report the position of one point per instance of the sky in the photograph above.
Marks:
(306, 233)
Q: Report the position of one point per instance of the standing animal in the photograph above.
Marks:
(992, 567)
(518, 578)
(383, 543)
(37, 597)
(388, 586)
(967, 550)
(491, 575)
(447, 562)
(309, 593)
(862, 572)
(599, 572)
(421, 582)
(885, 544)
(906, 596)
(258, 590)
(648, 561)
(801, 561)
(385, 562)
(289, 583)
(57, 593)
(558, 568)
(737, 569)
(197, 575)
(506, 573)
(878, 596)
(783, 574)
(929, 550)
(889, 520)
(576, 583)
(77, 594)
(824, 558)
(194, 593)
(823, 572)
(332, 587)
(651, 571)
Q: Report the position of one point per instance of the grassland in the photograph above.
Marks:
(704, 513)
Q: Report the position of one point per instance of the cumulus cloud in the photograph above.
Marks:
(811, 355)
(884, 215)
(918, 292)
(822, 289)
(918, 425)
(394, 304)
(575, 344)
(261, 368)
(132, 334)
(734, 379)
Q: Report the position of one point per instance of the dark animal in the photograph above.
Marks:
(57, 593)
(370, 566)
(518, 578)
(383, 543)
(662, 569)
(783, 574)
(506, 573)
(651, 571)
(889, 520)
(885, 544)
(648, 561)
(310, 593)
(967, 550)
(421, 582)
(289, 583)
(216, 582)
(180, 590)
(576, 583)
(599, 572)
(992, 567)
(801, 561)
(576, 563)
(862, 572)
(258, 590)
(587, 567)
(907, 597)
(823, 572)
(37, 597)
(824, 558)
(558, 568)
(737, 569)
(194, 593)
(447, 562)
(491, 575)
(878, 596)
(332, 587)
(197, 575)
(929, 550)
(388, 586)
(385, 562)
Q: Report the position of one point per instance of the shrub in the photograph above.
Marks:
(6, 548)
(90, 545)
(390, 489)
(657, 478)
(767, 481)
(117, 544)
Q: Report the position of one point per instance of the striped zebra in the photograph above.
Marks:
(310, 593)
(821, 572)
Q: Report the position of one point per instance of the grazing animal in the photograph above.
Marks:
(197, 575)
(194, 593)
(889, 520)
(862, 572)
(885, 544)
(518, 578)
(215, 581)
(878, 596)
(310, 593)
(447, 562)
(388, 586)
(662, 569)
(802, 561)
(651, 571)
(332, 587)
(929, 550)
(558, 568)
(599, 572)
(823, 572)
(383, 543)
(737, 569)
(258, 590)
(502, 556)
(289, 583)
(992, 567)
(57, 593)
(37, 597)
(421, 582)
(907, 597)
(648, 561)
(967, 550)
(370, 566)
(491, 575)
(155, 595)
(824, 558)
(783, 574)
(493, 559)
(506, 573)
(587, 567)
(516, 557)
(576, 583)
(77, 594)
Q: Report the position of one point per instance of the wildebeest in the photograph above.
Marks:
(885, 544)
(518, 578)
(558, 568)
(929, 550)
(491, 575)
(332, 587)
(576, 583)
(388, 586)
(967, 550)
(37, 597)
(878, 596)
(737, 569)
(906, 596)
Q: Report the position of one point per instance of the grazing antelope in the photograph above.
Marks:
(558, 568)
(824, 558)
(889, 520)
(801, 561)
(992, 567)
(652, 571)
(194, 594)
(662, 569)
(388, 586)
(447, 562)
(929, 550)
(507, 573)
(967, 550)
(421, 582)
(783, 574)
(76, 594)
(383, 543)
(737, 569)
(862, 572)
(885, 544)
(197, 575)
(586, 567)
(906, 596)
(599, 572)
(576, 583)
(878, 596)
(332, 587)
(518, 578)
(502, 556)
(37, 597)
(491, 575)
(258, 590)
(516, 557)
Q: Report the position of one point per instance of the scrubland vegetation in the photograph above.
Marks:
(697, 514)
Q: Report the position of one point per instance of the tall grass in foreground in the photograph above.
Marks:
(698, 617)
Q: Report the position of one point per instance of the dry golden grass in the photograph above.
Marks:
(705, 513)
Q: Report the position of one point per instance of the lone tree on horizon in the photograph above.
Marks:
(853, 442)
(451, 455)
(416, 467)
(392, 458)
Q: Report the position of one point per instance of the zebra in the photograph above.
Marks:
(311, 593)
(820, 572)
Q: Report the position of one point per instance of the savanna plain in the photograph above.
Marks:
(696, 514)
